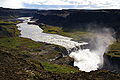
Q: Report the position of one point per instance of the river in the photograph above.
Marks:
(35, 33)
(85, 59)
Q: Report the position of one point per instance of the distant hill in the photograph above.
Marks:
(12, 13)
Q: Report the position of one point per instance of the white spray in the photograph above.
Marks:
(92, 59)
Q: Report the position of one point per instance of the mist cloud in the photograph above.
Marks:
(92, 59)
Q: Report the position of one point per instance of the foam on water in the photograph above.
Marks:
(86, 60)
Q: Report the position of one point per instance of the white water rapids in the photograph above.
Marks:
(85, 59)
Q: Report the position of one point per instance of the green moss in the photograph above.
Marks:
(10, 22)
(115, 46)
(52, 29)
(114, 54)
(59, 30)
(53, 67)
(9, 28)
(58, 68)
(17, 42)
(114, 50)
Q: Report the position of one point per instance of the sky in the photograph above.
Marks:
(61, 4)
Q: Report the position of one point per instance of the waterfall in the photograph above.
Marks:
(92, 59)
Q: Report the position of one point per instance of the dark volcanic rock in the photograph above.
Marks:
(114, 63)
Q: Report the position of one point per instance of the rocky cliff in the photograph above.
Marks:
(81, 19)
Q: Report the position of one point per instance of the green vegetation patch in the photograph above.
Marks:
(18, 42)
(9, 28)
(59, 30)
(115, 46)
(114, 50)
(52, 29)
(59, 68)
(9, 22)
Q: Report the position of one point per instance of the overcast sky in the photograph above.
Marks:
(61, 4)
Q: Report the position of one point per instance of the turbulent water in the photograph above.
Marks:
(35, 33)
(86, 60)
(92, 59)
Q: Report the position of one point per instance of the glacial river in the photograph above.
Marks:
(35, 33)
(86, 60)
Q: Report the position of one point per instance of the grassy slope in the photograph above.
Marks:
(8, 28)
(23, 59)
(23, 49)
